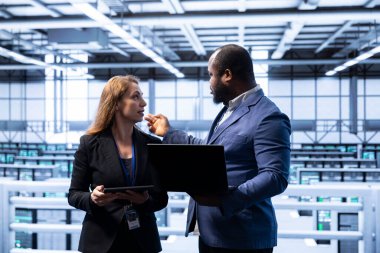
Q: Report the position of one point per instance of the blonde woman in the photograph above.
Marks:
(113, 153)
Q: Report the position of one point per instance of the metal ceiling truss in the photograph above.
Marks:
(175, 7)
(182, 64)
(211, 19)
(170, 31)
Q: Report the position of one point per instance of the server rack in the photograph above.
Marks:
(345, 221)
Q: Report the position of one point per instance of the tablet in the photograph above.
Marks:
(138, 188)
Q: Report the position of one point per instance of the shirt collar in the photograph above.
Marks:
(234, 103)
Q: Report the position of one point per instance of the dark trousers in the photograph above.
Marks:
(124, 241)
(203, 248)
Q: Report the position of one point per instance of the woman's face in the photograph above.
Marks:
(131, 106)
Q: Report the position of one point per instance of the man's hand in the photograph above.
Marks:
(158, 124)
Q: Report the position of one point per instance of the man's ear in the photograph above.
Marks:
(227, 76)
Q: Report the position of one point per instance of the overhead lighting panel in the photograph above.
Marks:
(20, 57)
(28, 60)
(93, 13)
(356, 60)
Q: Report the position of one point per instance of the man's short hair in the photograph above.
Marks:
(237, 60)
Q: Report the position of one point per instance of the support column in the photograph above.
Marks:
(353, 102)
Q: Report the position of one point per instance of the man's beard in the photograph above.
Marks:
(221, 94)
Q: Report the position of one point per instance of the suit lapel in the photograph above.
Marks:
(235, 116)
(112, 162)
(215, 122)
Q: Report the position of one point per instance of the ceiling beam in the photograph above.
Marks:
(308, 5)
(360, 43)
(175, 7)
(253, 17)
(362, 56)
(16, 56)
(371, 3)
(39, 4)
(5, 35)
(184, 64)
(337, 33)
(5, 14)
(287, 39)
(215, 19)
(242, 5)
(193, 38)
(145, 34)
(30, 45)
(106, 23)
(39, 64)
(46, 23)
(119, 50)
(293, 29)
(241, 35)
(153, 41)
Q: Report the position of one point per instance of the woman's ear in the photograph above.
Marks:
(118, 105)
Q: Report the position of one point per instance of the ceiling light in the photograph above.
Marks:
(340, 68)
(350, 63)
(330, 73)
(28, 60)
(20, 57)
(364, 56)
(356, 60)
(117, 30)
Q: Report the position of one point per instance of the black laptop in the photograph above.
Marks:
(195, 169)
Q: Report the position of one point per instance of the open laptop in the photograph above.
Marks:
(195, 169)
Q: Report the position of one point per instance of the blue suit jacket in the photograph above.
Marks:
(257, 151)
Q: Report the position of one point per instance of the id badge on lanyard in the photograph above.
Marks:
(132, 217)
(130, 177)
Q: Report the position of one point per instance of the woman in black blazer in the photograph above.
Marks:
(113, 153)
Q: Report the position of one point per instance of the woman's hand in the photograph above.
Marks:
(134, 197)
(100, 198)
(158, 124)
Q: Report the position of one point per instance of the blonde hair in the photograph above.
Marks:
(114, 90)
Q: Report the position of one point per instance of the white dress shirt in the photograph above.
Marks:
(234, 103)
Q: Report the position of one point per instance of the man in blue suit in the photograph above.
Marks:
(255, 135)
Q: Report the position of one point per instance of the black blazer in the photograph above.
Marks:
(97, 163)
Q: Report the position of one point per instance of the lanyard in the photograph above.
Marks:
(131, 178)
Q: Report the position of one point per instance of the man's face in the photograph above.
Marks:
(218, 89)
